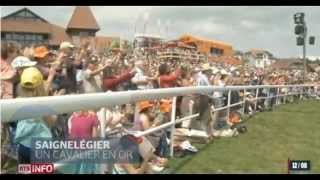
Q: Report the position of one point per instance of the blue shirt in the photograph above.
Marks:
(29, 129)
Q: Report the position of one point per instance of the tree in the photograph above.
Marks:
(245, 60)
(115, 44)
(125, 45)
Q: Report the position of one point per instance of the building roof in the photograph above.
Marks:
(255, 52)
(24, 10)
(225, 59)
(82, 18)
(26, 26)
(58, 34)
(197, 38)
(286, 63)
(155, 36)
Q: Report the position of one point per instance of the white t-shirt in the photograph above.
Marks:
(79, 75)
(91, 84)
(139, 76)
(219, 94)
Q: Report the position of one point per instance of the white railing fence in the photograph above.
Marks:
(23, 108)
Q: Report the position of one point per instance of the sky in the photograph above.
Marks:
(245, 27)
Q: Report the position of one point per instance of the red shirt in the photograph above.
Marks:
(167, 81)
(82, 125)
(110, 83)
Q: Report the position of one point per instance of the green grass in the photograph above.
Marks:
(291, 131)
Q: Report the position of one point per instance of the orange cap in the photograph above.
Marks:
(41, 52)
(234, 118)
(144, 104)
(165, 105)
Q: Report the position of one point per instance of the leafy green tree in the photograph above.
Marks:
(115, 44)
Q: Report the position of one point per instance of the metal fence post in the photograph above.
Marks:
(268, 100)
(103, 122)
(103, 167)
(255, 105)
(285, 96)
(229, 100)
(277, 96)
(244, 100)
(173, 119)
(136, 112)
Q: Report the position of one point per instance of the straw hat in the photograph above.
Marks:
(233, 68)
(214, 70)
(224, 72)
(65, 45)
(205, 67)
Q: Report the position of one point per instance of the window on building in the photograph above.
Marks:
(8, 36)
(15, 36)
(260, 55)
(34, 37)
(216, 51)
(84, 34)
(76, 39)
(28, 36)
(75, 33)
(39, 37)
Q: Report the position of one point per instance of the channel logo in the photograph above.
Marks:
(36, 168)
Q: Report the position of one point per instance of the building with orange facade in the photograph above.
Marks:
(208, 46)
(216, 51)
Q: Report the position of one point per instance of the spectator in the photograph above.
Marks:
(187, 103)
(83, 125)
(145, 152)
(70, 64)
(205, 118)
(7, 74)
(41, 55)
(28, 129)
(111, 82)
(167, 80)
(8, 52)
(92, 81)
(21, 62)
(140, 79)
(146, 117)
(32, 85)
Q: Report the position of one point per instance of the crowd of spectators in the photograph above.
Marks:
(36, 71)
